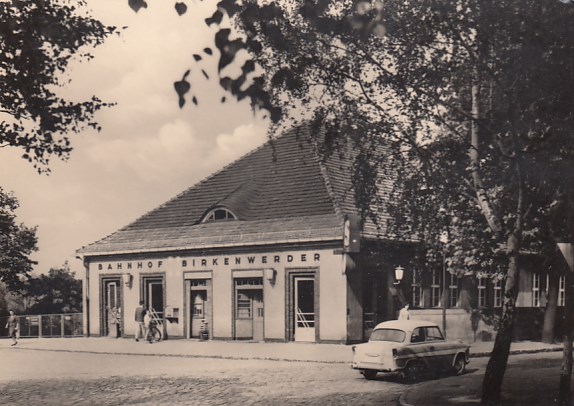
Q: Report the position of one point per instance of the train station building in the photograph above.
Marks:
(271, 248)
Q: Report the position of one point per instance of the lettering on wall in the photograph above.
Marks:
(188, 263)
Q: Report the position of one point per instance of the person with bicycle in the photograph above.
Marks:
(148, 326)
(152, 327)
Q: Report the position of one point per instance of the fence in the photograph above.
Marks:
(47, 325)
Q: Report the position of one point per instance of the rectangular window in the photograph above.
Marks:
(243, 306)
(198, 309)
(452, 290)
(433, 334)
(498, 293)
(535, 290)
(198, 282)
(435, 289)
(416, 290)
(482, 292)
(249, 282)
(562, 291)
(198, 298)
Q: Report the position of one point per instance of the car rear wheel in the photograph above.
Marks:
(415, 371)
(459, 365)
(369, 374)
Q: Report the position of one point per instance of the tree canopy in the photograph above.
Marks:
(17, 243)
(38, 39)
(57, 292)
(447, 86)
(471, 99)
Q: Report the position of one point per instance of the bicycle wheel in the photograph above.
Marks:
(154, 335)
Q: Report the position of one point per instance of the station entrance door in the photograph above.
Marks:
(112, 308)
(304, 308)
(249, 311)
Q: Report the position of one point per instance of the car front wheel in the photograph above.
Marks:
(369, 374)
(459, 365)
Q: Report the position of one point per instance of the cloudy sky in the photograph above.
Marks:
(149, 150)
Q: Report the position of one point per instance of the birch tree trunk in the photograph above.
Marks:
(564, 393)
(496, 367)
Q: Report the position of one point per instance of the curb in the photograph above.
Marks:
(228, 357)
(481, 354)
(516, 352)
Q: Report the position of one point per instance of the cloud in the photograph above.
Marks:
(243, 139)
(175, 152)
(149, 150)
(151, 157)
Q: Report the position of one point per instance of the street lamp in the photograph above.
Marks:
(444, 240)
(399, 273)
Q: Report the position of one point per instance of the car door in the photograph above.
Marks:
(440, 351)
(418, 347)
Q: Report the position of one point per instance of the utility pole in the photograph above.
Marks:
(444, 240)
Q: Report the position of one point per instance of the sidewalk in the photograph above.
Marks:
(302, 352)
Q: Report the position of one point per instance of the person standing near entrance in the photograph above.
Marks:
(404, 313)
(12, 326)
(140, 314)
(147, 327)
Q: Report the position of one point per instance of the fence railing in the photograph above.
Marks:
(47, 325)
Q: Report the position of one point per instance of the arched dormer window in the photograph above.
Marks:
(219, 214)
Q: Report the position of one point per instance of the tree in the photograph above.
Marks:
(38, 39)
(447, 87)
(17, 243)
(57, 292)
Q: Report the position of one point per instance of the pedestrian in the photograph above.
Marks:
(140, 313)
(404, 313)
(115, 322)
(147, 326)
(12, 326)
(119, 319)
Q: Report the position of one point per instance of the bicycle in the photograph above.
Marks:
(155, 327)
(154, 334)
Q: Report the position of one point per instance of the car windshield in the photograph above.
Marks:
(388, 334)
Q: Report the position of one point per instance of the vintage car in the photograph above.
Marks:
(413, 348)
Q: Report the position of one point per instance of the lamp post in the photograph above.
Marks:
(444, 241)
(399, 272)
(398, 302)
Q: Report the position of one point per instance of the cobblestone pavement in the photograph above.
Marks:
(29, 377)
(529, 380)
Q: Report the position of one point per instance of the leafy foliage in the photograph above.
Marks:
(136, 5)
(57, 292)
(181, 8)
(17, 243)
(182, 87)
(402, 74)
(38, 39)
(470, 99)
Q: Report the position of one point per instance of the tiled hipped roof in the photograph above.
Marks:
(281, 193)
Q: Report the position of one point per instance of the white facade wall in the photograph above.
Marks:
(223, 268)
